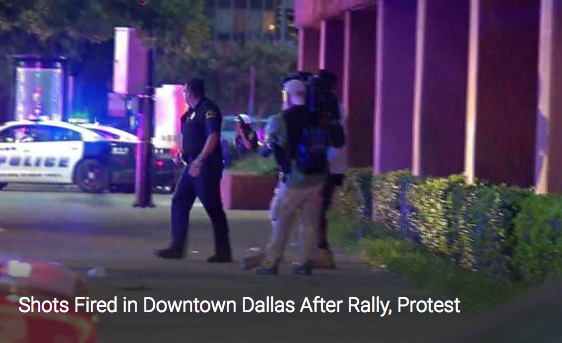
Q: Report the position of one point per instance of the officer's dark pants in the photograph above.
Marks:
(206, 187)
(334, 180)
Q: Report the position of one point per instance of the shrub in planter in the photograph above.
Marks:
(433, 204)
(492, 224)
(249, 183)
(392, 204)
(470, 224)
(538, 239)
(483, 237)
(499, 230)
(254, 164)
(354, 197)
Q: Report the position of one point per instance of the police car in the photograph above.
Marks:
(55, 152)
(165, 171)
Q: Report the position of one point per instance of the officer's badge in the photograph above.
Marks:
(210, 114)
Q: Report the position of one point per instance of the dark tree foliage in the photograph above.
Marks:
(82, 31)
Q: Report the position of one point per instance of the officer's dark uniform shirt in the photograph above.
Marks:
(196, 125)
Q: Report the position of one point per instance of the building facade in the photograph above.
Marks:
(443, 87)
(243, 20)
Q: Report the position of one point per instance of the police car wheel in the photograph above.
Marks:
(2, 185)
(92, 176)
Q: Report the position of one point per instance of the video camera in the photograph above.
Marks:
(322, 101)
(324, 109)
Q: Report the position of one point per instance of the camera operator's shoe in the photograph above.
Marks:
(303, 269)
(324, 260)
(267, 268)
(220, 259)
(253, 261)
(170, 254)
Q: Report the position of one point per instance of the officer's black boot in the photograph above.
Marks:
(170, 253)
(224, 258)
(223, 253)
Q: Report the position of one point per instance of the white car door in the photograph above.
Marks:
(9, 164)
(54, 153)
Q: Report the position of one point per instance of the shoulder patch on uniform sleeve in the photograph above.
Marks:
(210, 114)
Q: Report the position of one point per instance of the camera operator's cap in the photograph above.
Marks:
(297, 90)
(243, 118)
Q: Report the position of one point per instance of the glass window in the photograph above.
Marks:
(224, 21)
(44, 133)
(8, 135)
(40, 133)
(106, 134)
(239, 37)
(268, 22)
(269, 5)
(224, 3)
(210, 9)
(223, 36)
(60, 134)
(25, 134)
(239, 21)
(255, 4)
(240, 3)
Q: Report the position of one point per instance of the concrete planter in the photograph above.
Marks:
(247, 191)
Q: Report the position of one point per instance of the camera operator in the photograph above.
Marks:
(300, 191)
(325, 102)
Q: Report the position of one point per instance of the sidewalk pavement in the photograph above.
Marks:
(83, 231)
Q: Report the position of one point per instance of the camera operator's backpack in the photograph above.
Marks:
(308, 142)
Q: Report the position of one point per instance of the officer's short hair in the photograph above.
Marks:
(196, 86)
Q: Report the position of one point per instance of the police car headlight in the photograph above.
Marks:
(118, 150)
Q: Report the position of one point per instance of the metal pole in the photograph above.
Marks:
(143, 184)
(252, 93)
(283, 21)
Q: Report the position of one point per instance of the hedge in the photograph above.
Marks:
(495, 229)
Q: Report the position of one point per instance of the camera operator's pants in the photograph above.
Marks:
(288, 203)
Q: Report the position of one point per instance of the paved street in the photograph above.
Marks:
(83, 231)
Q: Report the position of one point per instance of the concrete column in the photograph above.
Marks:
(440, 87)
(309, 50)
(331, 48)
(359, 85)
(502, 91)
(548, 172)
(396, 38)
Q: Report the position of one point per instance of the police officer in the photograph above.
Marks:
(201, 152)
(246, 140)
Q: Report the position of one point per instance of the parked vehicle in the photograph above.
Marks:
(55, 152)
